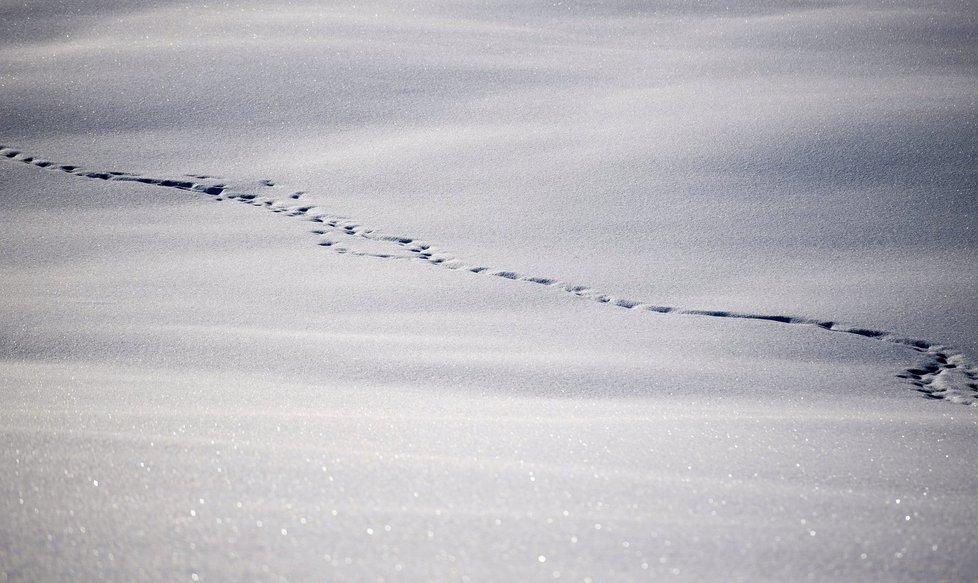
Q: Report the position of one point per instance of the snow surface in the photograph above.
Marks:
(508, 291)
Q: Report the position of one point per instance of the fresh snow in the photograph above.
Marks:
(488, 292)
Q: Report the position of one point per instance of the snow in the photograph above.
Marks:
(487, 292)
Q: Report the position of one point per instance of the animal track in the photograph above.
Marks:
(940, 374)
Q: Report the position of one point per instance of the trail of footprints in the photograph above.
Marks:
(940, 372)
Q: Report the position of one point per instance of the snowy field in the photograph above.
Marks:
(505, 291)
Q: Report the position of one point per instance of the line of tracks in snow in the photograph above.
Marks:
(940, 373)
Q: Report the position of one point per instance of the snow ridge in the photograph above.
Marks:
(940, 373)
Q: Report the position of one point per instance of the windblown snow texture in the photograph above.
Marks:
(939, 372)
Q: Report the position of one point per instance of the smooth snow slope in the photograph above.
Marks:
(694, 221)
(195, 390)
(772, 157)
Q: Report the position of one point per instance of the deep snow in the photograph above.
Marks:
(196, 385)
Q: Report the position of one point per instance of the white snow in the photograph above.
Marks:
(507, 291)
